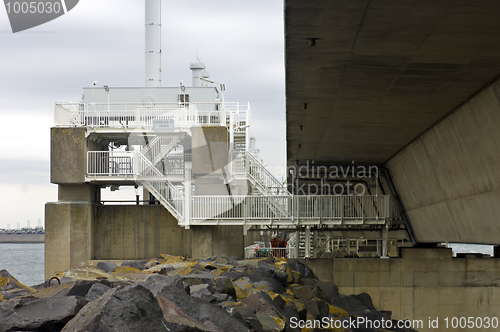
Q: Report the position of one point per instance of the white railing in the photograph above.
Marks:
(263, 177)
(110, 163)
(255, 251)
(238, 207)
(160, 146)
(301, 209)
(175, 164)
(352, 207)
(168, 195)
(128, 163)
(246, 164)
(137, 115)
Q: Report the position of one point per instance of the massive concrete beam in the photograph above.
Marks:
(449, 177)
(364, 78)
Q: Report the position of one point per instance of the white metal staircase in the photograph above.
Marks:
(273, 205)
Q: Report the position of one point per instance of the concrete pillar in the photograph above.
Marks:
(297, 240)
(308, 242)
(187, 194)
(385, 234)
(68, 236)
(210, 159)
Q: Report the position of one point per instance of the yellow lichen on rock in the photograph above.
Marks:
(85, 273)
(129, 273)
(339, 312)
(279, 321)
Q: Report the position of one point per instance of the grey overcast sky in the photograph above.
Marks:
(241, 43)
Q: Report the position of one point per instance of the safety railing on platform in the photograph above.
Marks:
(130, 163)
(352, 207)
(138, 115)
(338, 210)
(110, 163)
(175, 164)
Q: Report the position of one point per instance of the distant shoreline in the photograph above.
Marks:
(22, 238)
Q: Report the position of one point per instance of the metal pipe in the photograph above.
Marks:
(153, 43)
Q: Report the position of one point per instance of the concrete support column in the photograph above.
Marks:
(187, 194)
(297, 240)
(315, 244)
(385, 234)
(68, 236)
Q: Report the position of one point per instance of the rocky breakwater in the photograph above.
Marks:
(178, 294)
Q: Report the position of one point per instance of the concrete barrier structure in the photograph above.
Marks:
(80, 229)
(424, 284)
(448, 177)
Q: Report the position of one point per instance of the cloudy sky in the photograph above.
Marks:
(241, 43)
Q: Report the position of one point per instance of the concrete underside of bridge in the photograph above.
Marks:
(409, 85)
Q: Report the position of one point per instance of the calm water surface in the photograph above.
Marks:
(24, 261)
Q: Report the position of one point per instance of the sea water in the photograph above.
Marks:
(24, 261)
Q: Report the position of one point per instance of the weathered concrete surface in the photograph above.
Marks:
(80, 232)
(208, 241)
(379, 73)
(209, 150)
(448, 178)
(423, 283)
(68, 235)
(137, 232)
(68, 155)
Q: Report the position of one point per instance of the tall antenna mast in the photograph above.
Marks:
(153, 43)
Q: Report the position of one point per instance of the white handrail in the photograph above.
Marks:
(137, 115)
(301, 208)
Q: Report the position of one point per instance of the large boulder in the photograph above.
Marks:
(35, 314)
(174, 300)
(10, 287)
(131, 308)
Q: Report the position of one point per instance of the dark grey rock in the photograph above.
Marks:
(291, 311)
(262, 303)
(221, 284)
(96, 291)
(132, 308)
(328, 289)
(224, 260)
(82, 287)
(353, 305)
(301, 268)
(156, 282)
(206, 313)
(305, 292)
(316, 308)
(140, 265)
(34, 314)
(106, 266)
(270, 284)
